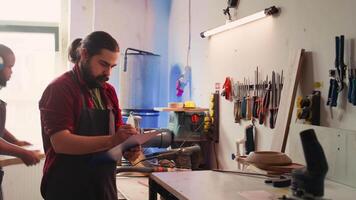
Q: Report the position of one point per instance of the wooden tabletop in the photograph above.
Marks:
(11, 160)
(209, 185)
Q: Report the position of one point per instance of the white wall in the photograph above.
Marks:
(271, 44)
(81, 20)
(136, 23)
(21, 182)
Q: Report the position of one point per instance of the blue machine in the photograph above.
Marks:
(139, 86)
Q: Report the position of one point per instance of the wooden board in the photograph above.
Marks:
(286, 106)
(11, 160)
(167, 109)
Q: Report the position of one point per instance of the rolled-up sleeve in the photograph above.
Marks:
(56, 109)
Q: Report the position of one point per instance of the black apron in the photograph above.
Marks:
(2, 131)
(75, 177)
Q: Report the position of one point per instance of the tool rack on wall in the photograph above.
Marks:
(255, 101)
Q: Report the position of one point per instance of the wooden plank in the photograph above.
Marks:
(11, 160)
(167, 109)
(286, 106)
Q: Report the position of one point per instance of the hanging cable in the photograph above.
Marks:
(190, 33)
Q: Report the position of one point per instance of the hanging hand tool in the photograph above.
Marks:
(265, 101)
(342, 67)
(353, 92)
(278, 95)
(249, 102)
(352, 74)
(237, 102)
(255, 97)
(281, 82)
(333, 91)
(335, 77)
(351, 96)
(353, 86)
(260, 95)
(273, 101)
(243, 101)
(250, 132)
(277, 98)
(227, 89)
(349, 93)
(337, 56)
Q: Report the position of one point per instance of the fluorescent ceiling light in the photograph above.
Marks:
(266, 12)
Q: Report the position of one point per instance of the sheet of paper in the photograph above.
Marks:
(133, 141)
(115, 154)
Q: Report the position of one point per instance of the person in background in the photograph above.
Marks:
(9, 144)
(80, 117)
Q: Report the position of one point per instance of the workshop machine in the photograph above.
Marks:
(174, 158)
(188, 130)
(175, 143)
(308, 182)
(187, 125)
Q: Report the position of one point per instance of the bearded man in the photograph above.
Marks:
(80, 117)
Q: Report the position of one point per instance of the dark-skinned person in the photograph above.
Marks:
(81, 118)
(9, 144)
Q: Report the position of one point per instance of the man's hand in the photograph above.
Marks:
(31, 157)
(22, 143)
(124, 132)
(132, 154)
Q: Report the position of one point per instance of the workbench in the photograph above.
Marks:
(211, 185)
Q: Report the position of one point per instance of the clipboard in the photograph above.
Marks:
(115, 153)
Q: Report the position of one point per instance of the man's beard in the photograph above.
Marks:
(90, 80)
(3, 80)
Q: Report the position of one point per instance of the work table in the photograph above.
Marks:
(217, 185)
(194, 185)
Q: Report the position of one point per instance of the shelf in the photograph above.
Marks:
(167, 109)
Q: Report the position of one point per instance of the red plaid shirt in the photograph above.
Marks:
(61, 104)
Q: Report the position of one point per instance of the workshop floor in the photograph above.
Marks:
(120, 196)
(132, 188)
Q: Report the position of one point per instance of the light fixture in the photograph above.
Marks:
(264, 13)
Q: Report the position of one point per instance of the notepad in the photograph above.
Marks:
(115, 154)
